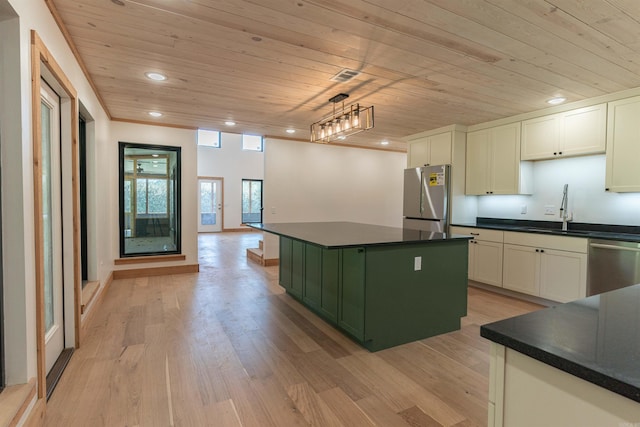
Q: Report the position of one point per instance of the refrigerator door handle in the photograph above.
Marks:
(421, 191)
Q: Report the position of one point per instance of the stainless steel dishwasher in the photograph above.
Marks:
(612, 265)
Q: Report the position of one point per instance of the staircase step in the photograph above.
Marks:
(261, 244)
(255, 255)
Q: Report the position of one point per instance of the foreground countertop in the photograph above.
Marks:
(333, 235)
(596, 339)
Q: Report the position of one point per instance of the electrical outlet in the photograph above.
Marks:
(523, 209)
(417, 263)
(273, 209)
(549, 210)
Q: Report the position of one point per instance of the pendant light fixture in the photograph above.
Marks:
(342, 122)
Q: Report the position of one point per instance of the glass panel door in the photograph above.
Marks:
(52, 225)
(251, 201)
(209, 205)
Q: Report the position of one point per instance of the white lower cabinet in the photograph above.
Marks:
(485, 254)
(487, 262)
(551, 267)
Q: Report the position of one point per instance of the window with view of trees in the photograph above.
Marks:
(251, 201)
(149, 199)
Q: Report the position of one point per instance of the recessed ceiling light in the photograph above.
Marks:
(155, 114)
(342, 138)
(152, 75)
(557, 100)
(291, 131)
(155, 155)
(230, 123)
(384, 143)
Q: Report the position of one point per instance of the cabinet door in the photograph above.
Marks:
(440, 149)
(311, 292)
(521, 269)
(505, 159)
(285, 262)
(623, 146)
(488, 263)
(297, 268)
(418, 153)
(330, 283)
(478, 173)
(584, 131)
(563, 275)
(351, 310)
(540, 137)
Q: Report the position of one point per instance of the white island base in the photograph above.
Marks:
(524, 392)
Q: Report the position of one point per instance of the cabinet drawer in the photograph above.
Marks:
(561, 243)
(482, 234)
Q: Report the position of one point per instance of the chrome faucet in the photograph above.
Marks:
(564, 208)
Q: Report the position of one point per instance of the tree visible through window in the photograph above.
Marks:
(251, 200)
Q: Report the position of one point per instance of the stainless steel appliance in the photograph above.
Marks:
(612, 265)
(426, 198)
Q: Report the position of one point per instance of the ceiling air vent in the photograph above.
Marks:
(345, 75)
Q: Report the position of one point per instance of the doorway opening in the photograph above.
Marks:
(210, 205)
(82, 158)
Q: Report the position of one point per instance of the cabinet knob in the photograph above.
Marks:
(606, 189)
(542, 250)
(537, 250)
(560, 153)
(555, 154)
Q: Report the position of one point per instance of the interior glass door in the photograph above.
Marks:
(209, 205)
(52, 225)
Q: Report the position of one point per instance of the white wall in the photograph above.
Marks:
(160, 135)
(588, 200)
(17, 169)
(312, 182)
(233, 164)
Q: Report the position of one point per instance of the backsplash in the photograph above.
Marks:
(588, 200)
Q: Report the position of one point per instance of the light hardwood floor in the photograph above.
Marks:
(226, 347)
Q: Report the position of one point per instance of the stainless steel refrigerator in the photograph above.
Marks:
(426, 198)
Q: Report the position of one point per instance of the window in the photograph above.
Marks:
(149, 200)
(252, 142)
(251, 200)
(209, 138)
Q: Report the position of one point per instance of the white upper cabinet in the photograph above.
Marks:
(623, 146)
(430, 150)
(493, 162)
(570, 133)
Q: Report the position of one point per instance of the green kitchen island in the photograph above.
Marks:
(382, 286)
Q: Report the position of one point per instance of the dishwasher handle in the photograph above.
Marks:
(614, 247)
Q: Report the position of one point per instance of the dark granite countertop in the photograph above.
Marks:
(575, 229)
(332, 235)
(596, 338)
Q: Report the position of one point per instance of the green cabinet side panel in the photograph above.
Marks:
(285, 262)
(330, 283)
(297, 268)
(311, 293)
(404, 305)
(351, 292)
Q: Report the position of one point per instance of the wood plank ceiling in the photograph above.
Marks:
(267, 64)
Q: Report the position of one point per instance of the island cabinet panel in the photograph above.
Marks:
(312, 289)
(405, 304)
(297, 268)
(285, 262)
(352, 294)
(330, 284)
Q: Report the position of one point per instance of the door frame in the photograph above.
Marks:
(43, 65)
(221, 197)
